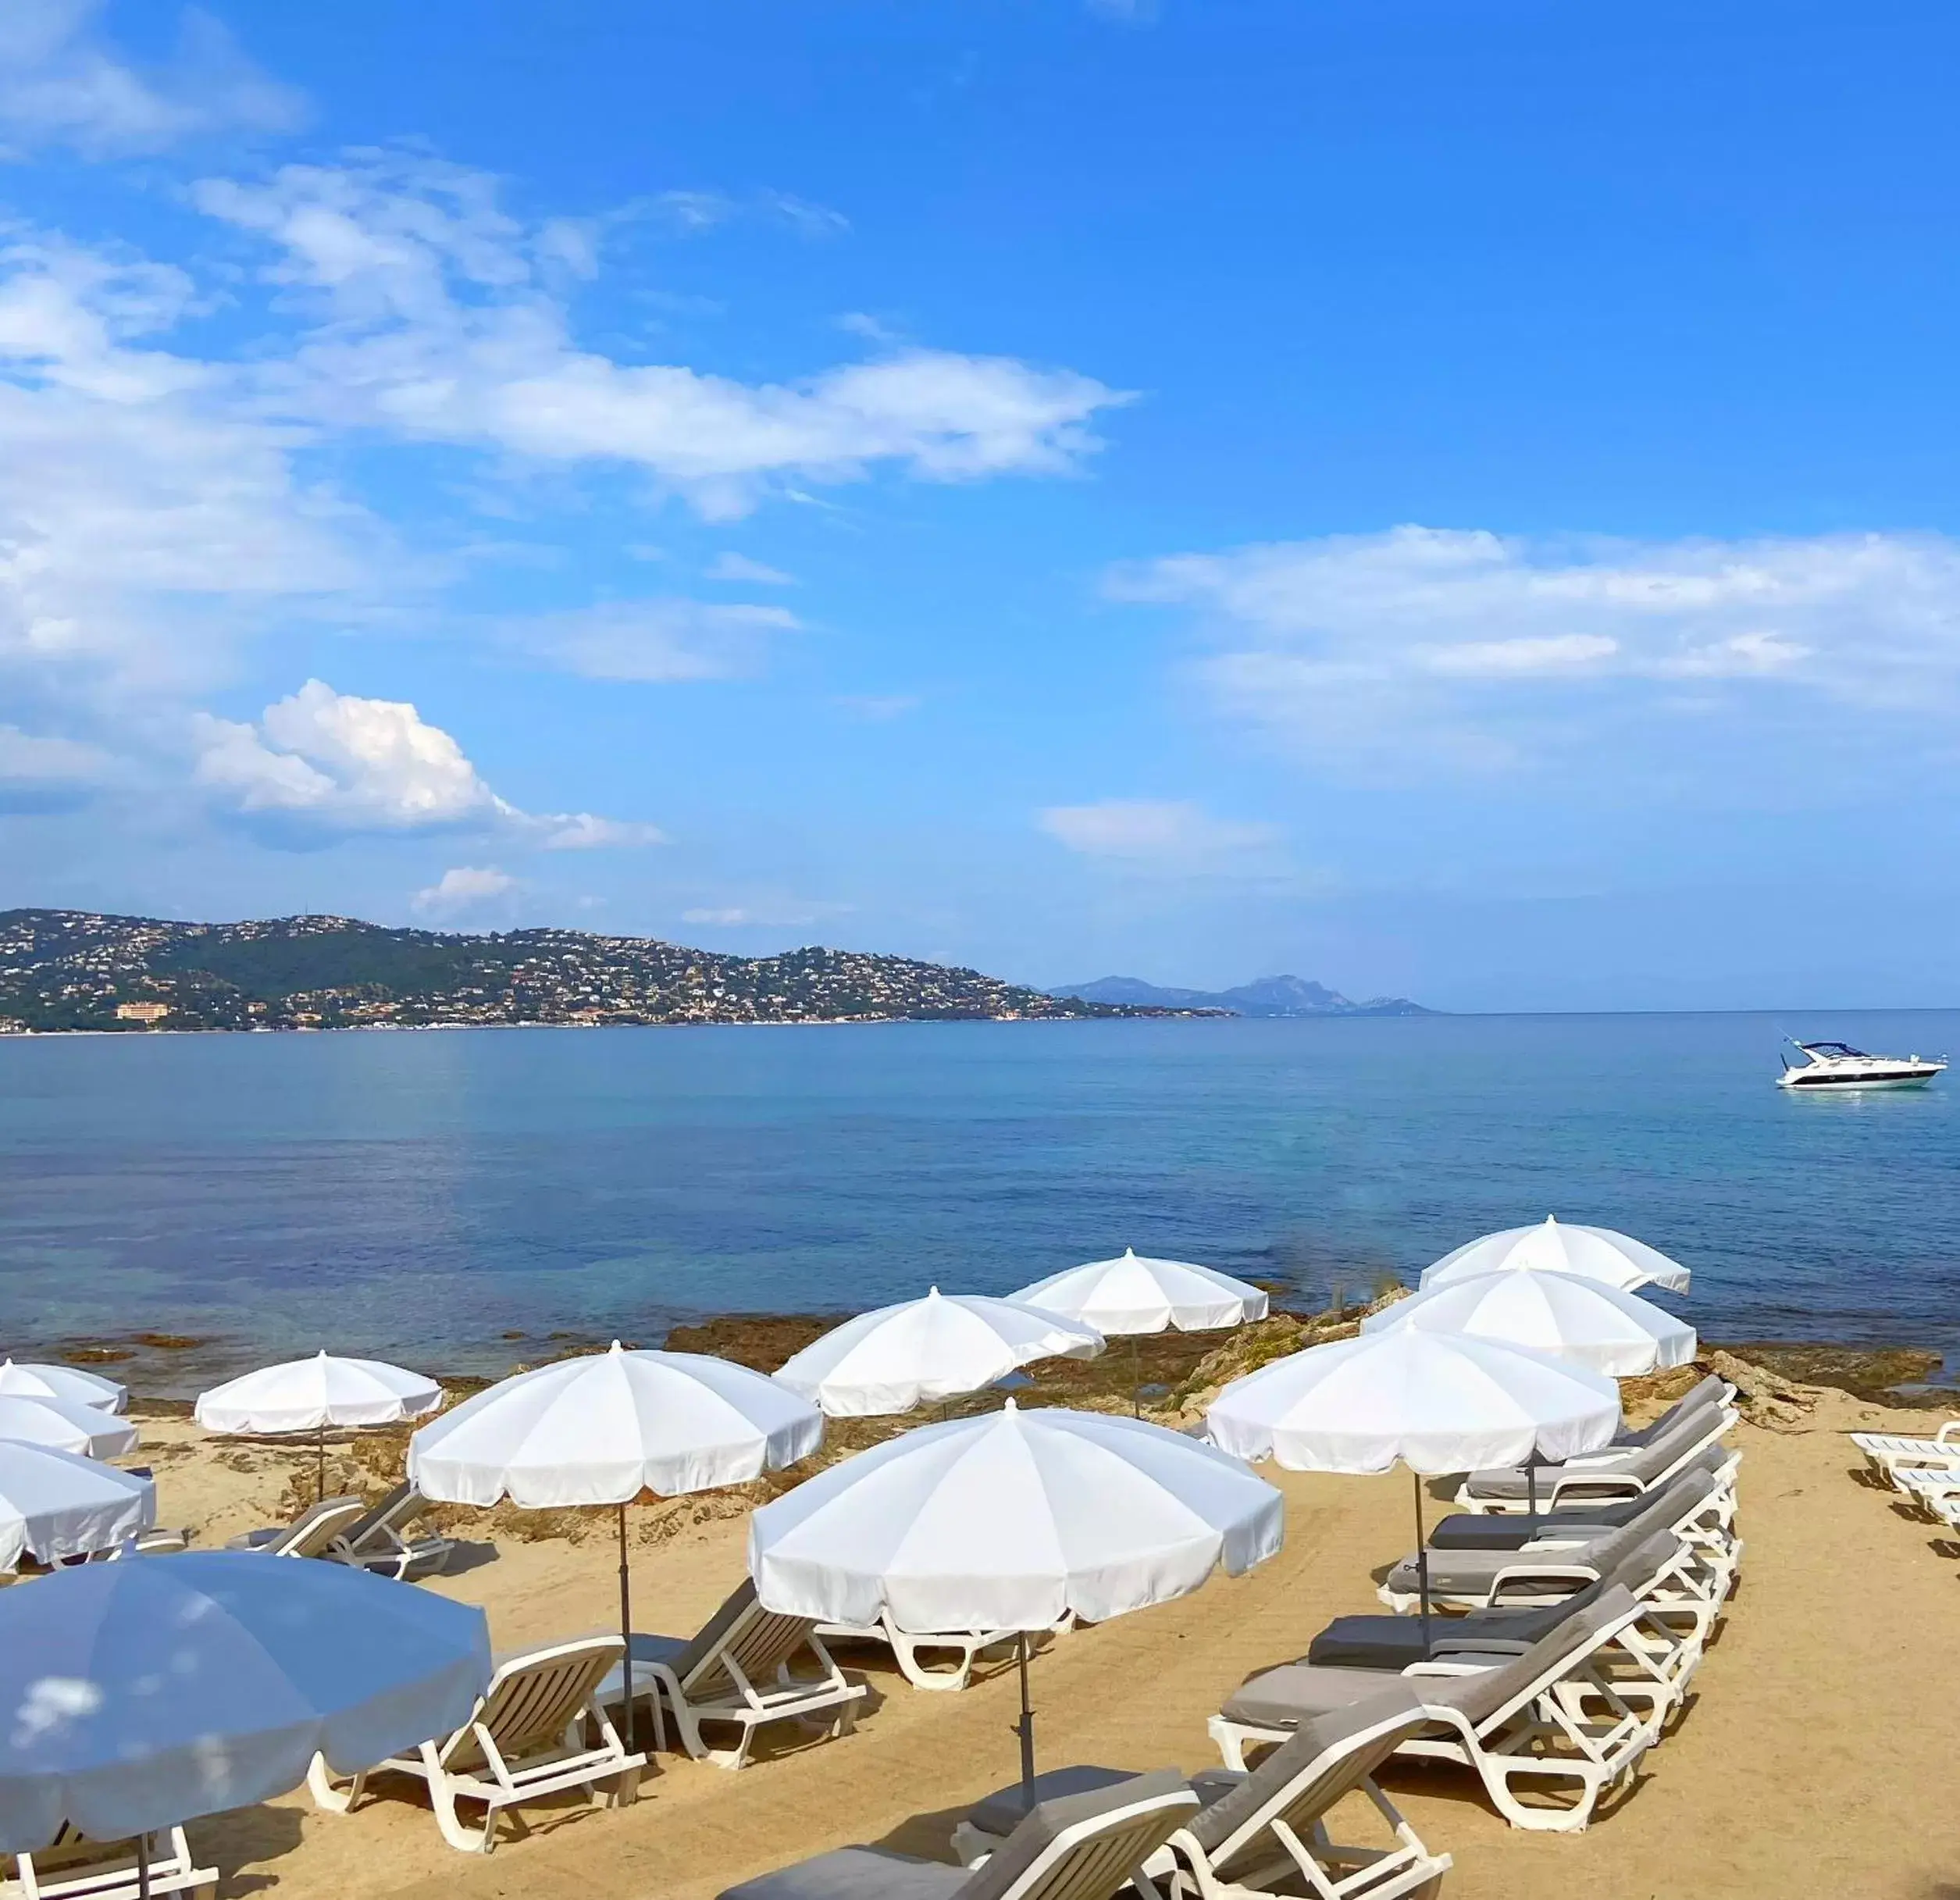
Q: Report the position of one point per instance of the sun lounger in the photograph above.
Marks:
(1462, 1580)
(1551, 1719)
(1255, 1831)
(1604, 1476)
(379, 1540)
(530, 1736)
(1889, 1455)
(1936, 1492)
(964, 1646)
(736, 1670)
(1484, 1531)
(74, 1867)
(1079, 1847)
(910, 1650)
(309, 1534)
(1652, 1572)
(1713, 1393)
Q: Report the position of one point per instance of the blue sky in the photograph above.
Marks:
(1453, 501)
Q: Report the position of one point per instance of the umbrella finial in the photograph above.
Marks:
(932, 1292)
(1551, 1219)
(615, 1347)
(1010, 1407)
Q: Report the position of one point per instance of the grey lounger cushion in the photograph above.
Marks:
(1644, 1462)
(855, 1873)
(1393, 1642)
(1297, 1692)
(874, 1873)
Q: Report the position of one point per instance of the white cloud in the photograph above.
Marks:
(662, 641)
(463, 887)
(435, 319)
(320, 763)
(740, 567)
(63, 83)
(1161, 834)
(582, 832)
(1420, 648)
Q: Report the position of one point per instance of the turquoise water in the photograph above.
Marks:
(423, 1194)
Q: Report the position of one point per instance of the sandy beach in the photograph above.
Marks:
(1811, 1760)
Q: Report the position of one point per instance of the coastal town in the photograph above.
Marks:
(75, 970)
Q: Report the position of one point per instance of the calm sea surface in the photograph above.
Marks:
(423, 1194)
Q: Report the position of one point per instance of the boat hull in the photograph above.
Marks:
(1798, 1083)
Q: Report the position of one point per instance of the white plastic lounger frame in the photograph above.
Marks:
(1609, 1476)
(737, 1671)
(1519, 1722)
(1936, 1491)
(379, 1540)
(311, 1534)
(907, 1650)
(528, 1738)
(1889, 1455)
(76, 1868)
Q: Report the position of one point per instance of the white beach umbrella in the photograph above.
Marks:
(1586, 1321)
(55, 1505)
(308, 1395)
(1435, 1402)
(134, 1696)
(21, 1379)
(1134, 1294)
(1592, 1252)
(603, 1428)
(312, 1395)
(1011, 1521)
(939, 1347)
(83, 1429)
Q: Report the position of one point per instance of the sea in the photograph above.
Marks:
(454, 1198)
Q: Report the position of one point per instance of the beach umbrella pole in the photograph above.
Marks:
(1024, 1728)
(1422, 1561)
(1136, 1378)
(319, 1465)
(142, 1865)
(626, 1637)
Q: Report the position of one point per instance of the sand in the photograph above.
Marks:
(1817, 1757)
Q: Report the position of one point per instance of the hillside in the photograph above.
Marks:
(1270, 996)
(75, 970)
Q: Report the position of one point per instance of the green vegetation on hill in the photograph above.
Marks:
(76, 969)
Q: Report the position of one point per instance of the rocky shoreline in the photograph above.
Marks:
(1169, 1368)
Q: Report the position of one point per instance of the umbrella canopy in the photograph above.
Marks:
(1437, 1402)
(1134, 1293)
(136, 1695)
(1592, 1252)
(53, 1504)
(83, 1429)
(1585, 1321)
(21, 1380)
(1010, 1521)
(603, 1428)
(934, 1348)
(310, 1394)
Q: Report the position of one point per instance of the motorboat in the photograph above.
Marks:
(1834, 1066)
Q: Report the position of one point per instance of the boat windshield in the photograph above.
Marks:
(1831, 1049)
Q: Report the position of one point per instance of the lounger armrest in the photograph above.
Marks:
(1451, 1666)
(1945, 1436)
(1576, 1576)
(1597, 1488)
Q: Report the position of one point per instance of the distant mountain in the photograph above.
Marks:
(81, 969)
(1270, 995)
